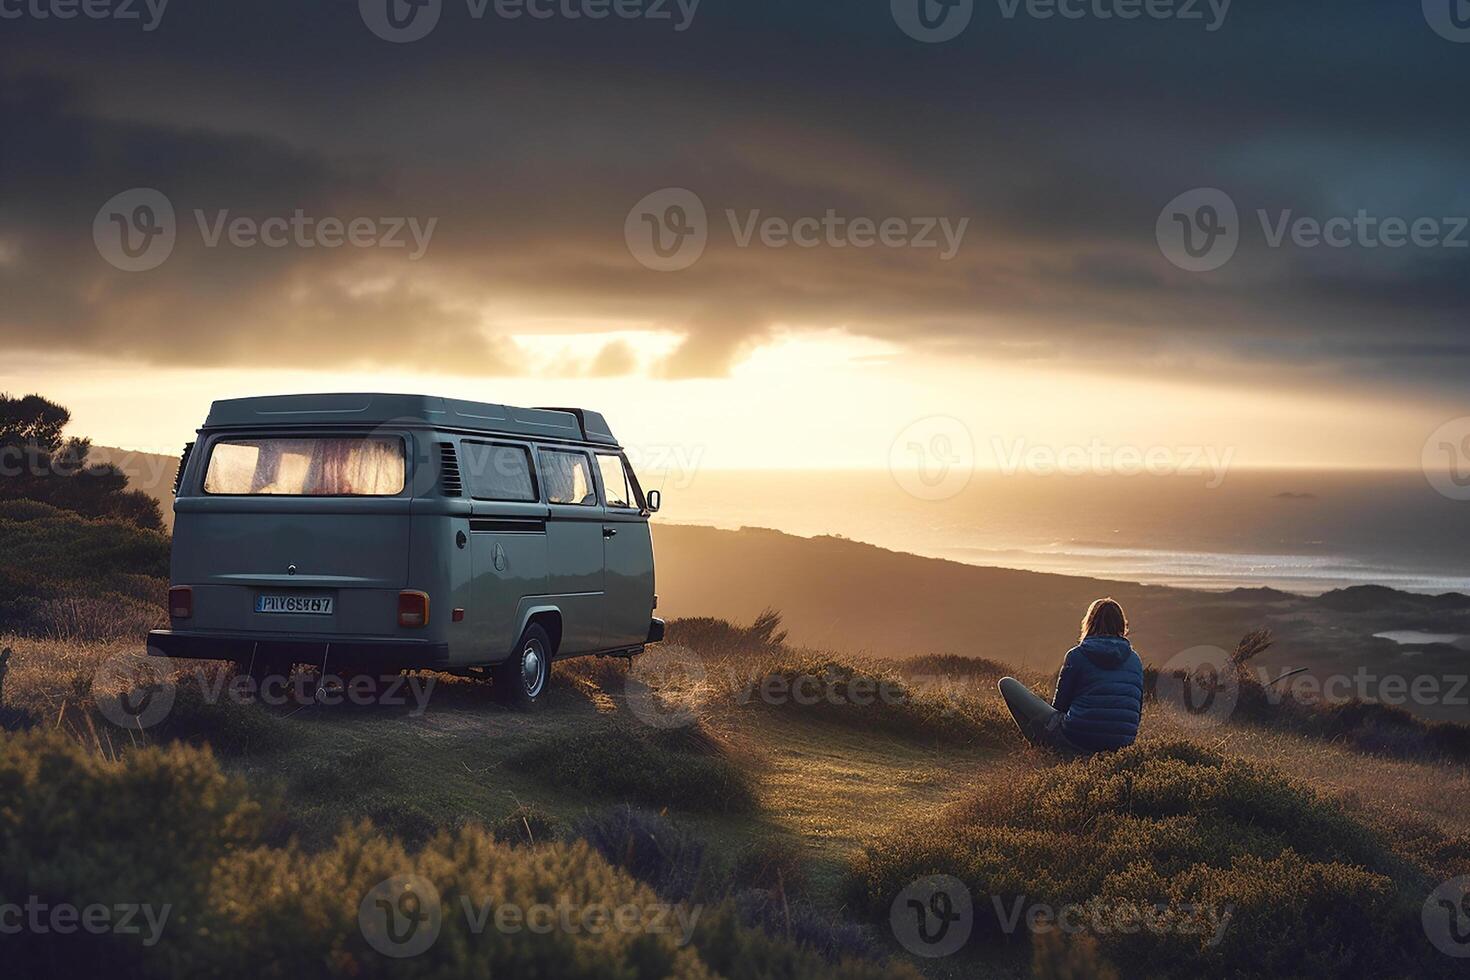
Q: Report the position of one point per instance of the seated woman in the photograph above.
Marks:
(1099, 699)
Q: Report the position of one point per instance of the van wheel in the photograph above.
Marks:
(522, 679)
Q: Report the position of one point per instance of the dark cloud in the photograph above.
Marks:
(528, 141)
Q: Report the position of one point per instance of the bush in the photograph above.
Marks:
(873, 697)
(527, 825)
(1369, 727)
(1176, 826)
(628, 765)
(64, 576)
(166, 827)
(647, 846)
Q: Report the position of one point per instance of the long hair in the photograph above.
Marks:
(1104, 618)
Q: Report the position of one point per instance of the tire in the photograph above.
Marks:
(521, 681)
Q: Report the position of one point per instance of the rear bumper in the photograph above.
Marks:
(366, 651)
(655, 630)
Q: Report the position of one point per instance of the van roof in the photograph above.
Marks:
(568, 424)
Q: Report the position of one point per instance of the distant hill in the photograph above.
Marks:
(149, 472)
(840, 594)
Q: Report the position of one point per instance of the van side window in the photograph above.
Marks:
(614, 481)
(495, 471)
(568, 478)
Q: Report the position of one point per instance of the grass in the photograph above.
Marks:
(629, 764)
(778, 800)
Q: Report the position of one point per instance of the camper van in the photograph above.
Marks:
(373, 532)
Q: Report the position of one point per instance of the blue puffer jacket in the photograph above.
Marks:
(1100, 694)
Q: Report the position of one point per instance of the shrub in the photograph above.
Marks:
(628, 765)
(719, 639)
(166, 827)
(527, 825)
(647, 846)
(64, 576)
(1178, 826)
(951, 665)
(1370, 727)
(873, 697)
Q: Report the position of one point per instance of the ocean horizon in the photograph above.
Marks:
(1299, 531)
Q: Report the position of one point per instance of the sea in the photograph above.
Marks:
(1297, 530)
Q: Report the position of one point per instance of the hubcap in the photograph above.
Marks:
(531, 669)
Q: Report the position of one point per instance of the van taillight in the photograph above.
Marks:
(413, 609)
(181, 602)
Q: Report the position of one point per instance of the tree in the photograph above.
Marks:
(37, 464)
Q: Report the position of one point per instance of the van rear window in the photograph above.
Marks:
(333, 466)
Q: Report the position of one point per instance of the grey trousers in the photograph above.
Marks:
(1038, 721)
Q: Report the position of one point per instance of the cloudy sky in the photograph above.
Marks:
(784, 231)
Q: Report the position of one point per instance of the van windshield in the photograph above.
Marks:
(336, 466)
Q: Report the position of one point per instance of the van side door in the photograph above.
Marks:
(574, 529)
(627, 556)
(508, 541)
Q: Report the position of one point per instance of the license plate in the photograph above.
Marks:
(297, 605)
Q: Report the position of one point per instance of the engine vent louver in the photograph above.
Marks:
(183, 461)
(450, 483)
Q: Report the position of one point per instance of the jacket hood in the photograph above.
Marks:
(1106, 651)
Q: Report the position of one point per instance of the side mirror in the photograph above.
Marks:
(655, 500)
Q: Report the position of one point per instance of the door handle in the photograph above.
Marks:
(609, 532)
